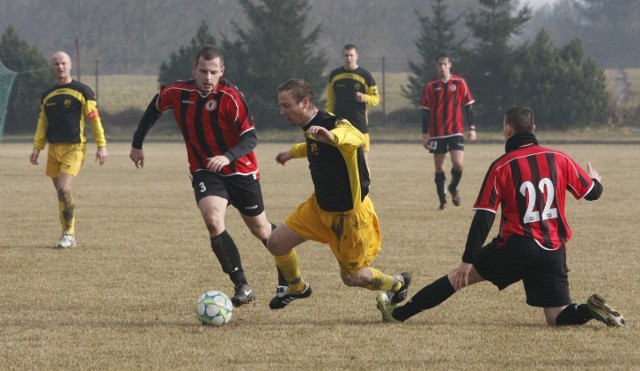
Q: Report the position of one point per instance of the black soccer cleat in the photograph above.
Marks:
(400, 295)
(243, 295)
(283, 297)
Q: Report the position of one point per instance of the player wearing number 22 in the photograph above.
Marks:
(529, 182)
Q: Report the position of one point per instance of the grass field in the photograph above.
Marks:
(123, 299)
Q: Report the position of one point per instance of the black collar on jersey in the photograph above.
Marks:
(520, 139)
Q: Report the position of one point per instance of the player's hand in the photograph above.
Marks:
(461, 277)
(472, 136)
(593, 174)
(359, 97)
(33, 158)
(283, 157)
(320, 134)
(137, 156)
(425, 141)
(102, 155)
(216, 163)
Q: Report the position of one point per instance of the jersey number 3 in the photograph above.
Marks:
(528, 190)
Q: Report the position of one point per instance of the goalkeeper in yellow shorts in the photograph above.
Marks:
(339, 212)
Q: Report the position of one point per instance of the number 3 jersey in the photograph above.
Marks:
(530, 182)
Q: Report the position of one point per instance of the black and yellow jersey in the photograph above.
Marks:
(341, 95)
(63, 110)
(339, 173)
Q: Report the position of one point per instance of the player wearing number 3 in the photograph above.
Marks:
(529, 183)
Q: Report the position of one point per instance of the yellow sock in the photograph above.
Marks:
(382, 282)
(288, 265)
(67, 217)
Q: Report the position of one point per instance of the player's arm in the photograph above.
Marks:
(248, 141)
(346, 136)
(372, 96)
(40, 137)
(425, 127)
(469, 119)
(331, 98)
(92, 113)
(149, 118)
(478, 232)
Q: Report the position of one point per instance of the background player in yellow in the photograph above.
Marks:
(63, 111)
(351, 88)
(339, 212)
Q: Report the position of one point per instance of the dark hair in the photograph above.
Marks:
(520, 119)
(442, 55)
(300, 89)
(350, 47)
(208, 53)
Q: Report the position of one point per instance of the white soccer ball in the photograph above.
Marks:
(214, 308)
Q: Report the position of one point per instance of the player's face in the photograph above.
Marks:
(443, 66)
(350, 58)
(292, 111)
(61, 66)
(207, 73)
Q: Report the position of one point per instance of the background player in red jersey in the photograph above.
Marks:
(220, 136)
(529, 182)
(447, 104)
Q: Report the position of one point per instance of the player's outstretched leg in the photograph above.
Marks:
(396, 297)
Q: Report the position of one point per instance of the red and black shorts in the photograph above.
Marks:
(543, 272)
(242, 191)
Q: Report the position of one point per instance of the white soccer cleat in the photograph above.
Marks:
(67, 240)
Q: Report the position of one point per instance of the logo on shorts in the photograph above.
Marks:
(210, 105)
(253, 207)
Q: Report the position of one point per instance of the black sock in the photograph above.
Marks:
(574, 314)
(455, 178)
(229, 257)
(428, 297)
(440, 181)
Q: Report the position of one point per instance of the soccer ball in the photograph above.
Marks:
(214, 308)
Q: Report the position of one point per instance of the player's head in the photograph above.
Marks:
(518, 120)
(61, 67)
(443, 65)
(207, 68)
(296, 101)
(350, 56)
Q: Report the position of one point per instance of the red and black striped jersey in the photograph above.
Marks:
(445, 100)
(530, 183)
(211, 124)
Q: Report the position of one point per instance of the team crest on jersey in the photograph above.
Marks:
(67, 102)
(358, 87)
(453, 87)
(210, 105)
(314, 149)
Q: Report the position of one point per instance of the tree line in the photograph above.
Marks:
(565, 88)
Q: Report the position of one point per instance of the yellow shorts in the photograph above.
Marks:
(354, 236)
(65, 158)
(367, 143)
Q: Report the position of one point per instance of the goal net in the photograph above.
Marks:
(6, 82)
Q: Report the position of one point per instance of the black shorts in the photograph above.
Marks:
(543, 272)
(242, 191)
(446, 144)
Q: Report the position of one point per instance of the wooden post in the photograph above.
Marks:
(78, 59)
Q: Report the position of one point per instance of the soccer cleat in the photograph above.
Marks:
(443, 207)
(604, 313)
(385, 307)
(243, 295)
(455, 196)
(66, 240)
(283, 297)
(401, 294)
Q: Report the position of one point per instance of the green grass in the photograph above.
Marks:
(123, 299)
